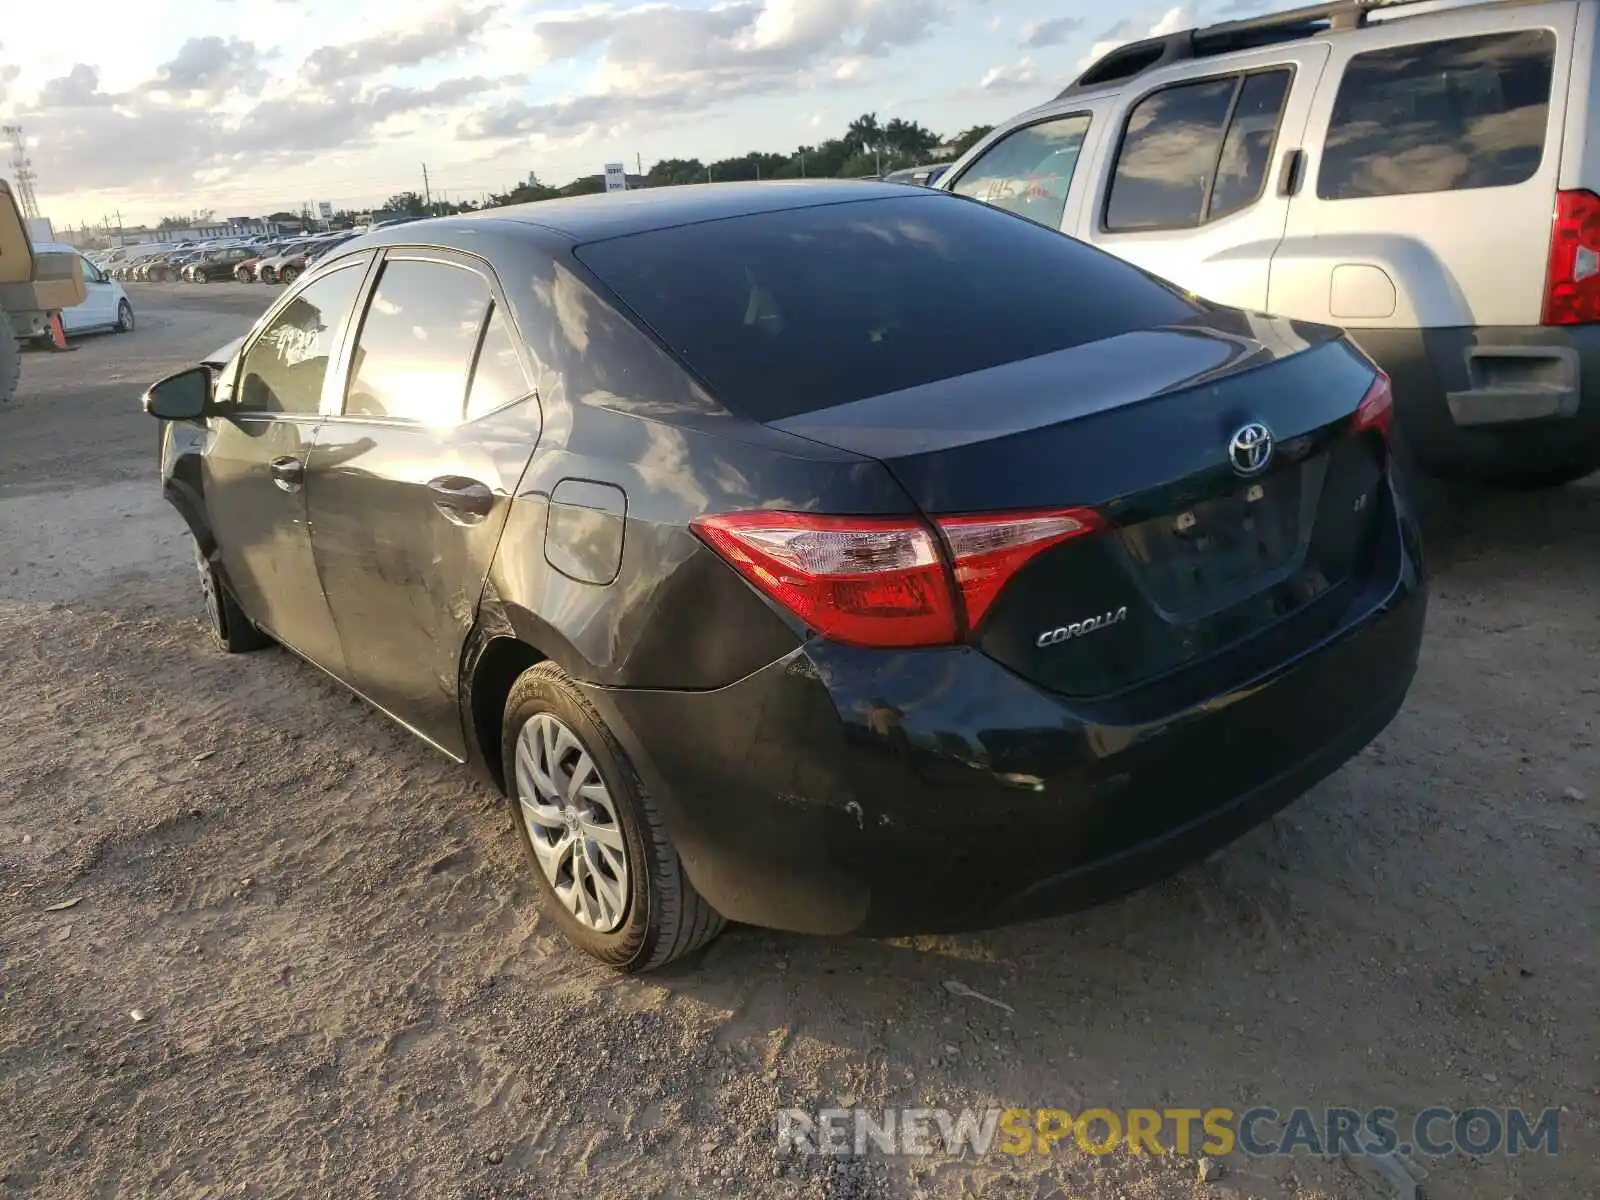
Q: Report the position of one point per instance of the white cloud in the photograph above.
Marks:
(1038, 34)
(659, 63)
(1132, 29)
(1015, 77)
(228, 111)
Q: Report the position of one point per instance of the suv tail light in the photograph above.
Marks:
(1376, 410)
(1572, 282)
(887, 581)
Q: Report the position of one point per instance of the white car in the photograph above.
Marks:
(1428, 178)
(105, 306)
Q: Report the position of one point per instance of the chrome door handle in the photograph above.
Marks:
(460, 500)
(289, 473)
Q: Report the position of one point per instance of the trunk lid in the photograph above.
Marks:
(1198, 554)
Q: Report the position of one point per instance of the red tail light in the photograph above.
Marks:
(885, 581)
(1376, 410)
(1572, 282)
(989, 550)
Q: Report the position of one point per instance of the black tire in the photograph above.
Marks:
(10, 359)
(232, 631)
(288, 275)
(664, 917)
(125, 318)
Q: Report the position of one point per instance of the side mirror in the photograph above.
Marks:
(181, 397)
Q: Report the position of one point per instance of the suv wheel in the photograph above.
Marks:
(230, 628)
(595, 843)
(124, 317)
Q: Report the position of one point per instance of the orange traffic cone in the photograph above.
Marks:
(58, 335)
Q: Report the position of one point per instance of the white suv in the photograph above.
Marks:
(1427, 180)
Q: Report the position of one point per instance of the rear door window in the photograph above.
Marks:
(1195, 152)
(1439, 117)
(1029, 171)
(1247, 147)
(415, 348)
(788, 312)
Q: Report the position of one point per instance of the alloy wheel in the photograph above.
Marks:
(208, 589)
(125, 317)
(572, 823)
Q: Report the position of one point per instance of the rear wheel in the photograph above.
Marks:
(10, 359)
(230, 628)
(596, 845)
(124, 317)
(288, 275)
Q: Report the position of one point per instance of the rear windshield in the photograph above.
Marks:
(790, 312)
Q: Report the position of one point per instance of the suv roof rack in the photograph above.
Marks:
(1135, 58)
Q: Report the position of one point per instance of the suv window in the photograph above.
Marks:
(416, 343)
(284, 368)
(498, 378)
(1196, 151)
(1439, 117)
(1029, 171)
(789, 312)
(1247, 147)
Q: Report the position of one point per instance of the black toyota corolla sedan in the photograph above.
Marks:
(831, 557)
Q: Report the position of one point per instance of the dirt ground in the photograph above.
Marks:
(344, 985)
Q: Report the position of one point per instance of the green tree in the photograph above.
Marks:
(908, 141)
(588, 185)
(670, 171)
(864, 133)
(968, 138)
(405, 204)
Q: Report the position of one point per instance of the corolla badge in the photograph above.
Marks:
(1250, 448)
(1065, 633)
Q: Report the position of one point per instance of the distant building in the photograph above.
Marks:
(234, 227)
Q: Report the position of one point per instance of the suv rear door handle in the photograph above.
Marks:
(460, 500)
(289, 473)
(1291, 172)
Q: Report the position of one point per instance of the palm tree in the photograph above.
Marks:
(864, 133)
(909, 139)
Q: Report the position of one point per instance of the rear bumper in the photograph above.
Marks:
(1494, 402)
(841, 790)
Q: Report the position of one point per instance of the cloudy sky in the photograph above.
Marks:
(150, 107)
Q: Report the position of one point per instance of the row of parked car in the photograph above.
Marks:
(279, 262)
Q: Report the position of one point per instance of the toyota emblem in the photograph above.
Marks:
(1250, 448)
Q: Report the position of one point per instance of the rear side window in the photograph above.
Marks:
(1196, 151)
(416, 344)
(498, 378)
(1029, 171)
(1439, 117)
(790, 312)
